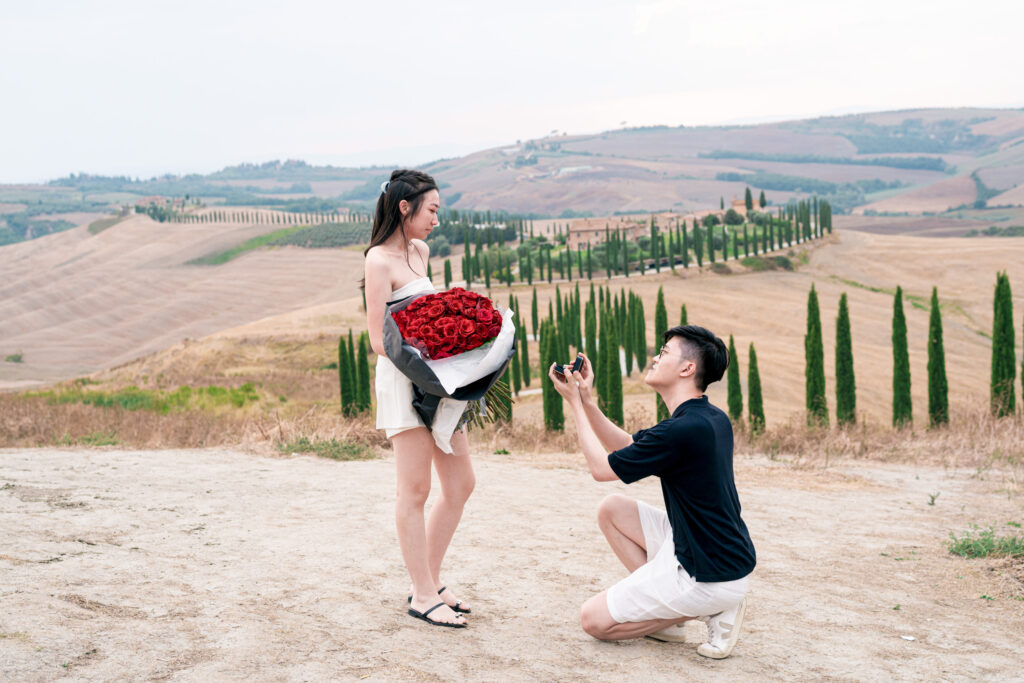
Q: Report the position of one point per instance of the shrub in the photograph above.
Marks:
(984, 543)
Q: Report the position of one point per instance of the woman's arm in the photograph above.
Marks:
(378, 287)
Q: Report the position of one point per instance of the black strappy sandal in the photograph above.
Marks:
(433, 622)
(457, 607)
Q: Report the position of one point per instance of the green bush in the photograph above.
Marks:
(134, 398)
(330, 448)
(984, 543)
(763, 263)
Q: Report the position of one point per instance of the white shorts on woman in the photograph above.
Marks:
(662, 589)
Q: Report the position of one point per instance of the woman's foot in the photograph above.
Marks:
(441, 614)
(450, 600)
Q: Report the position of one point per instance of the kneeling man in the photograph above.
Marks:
(693, 561)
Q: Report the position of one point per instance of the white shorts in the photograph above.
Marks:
(662, 589)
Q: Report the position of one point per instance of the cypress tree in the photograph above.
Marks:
(733, 382)
(660, 327)
(635, 332)
(761, 201)
(363, 372)
(902, 406)
(686, 246)
(599, 363)
(938, 389)
(746, 241)
(447, 273)
(487, 272)
(516, 374)
(533, 315)
(672, 249)
(755, 406)
(591, 331)
(641, 334)
(682, 315)
(625, 256)
(846, 388)
(590, 263)
(613, 381)
(711, 243)
(748, 200)
(628, 337)
(524, 352)
(1004, 357)
(554, 418)
(698, 244)
(814, 370)
(344, 377)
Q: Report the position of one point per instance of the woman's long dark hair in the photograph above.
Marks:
(405, 185)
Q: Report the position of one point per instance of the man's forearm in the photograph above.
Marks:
(596, 455)
(611, 436)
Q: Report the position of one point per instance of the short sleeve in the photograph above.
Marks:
(651, 453)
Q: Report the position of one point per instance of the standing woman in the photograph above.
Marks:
(396, 267)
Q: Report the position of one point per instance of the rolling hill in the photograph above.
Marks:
(914, 162)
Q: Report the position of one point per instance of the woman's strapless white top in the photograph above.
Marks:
(393, 389)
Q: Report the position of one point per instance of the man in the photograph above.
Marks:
(693, 561)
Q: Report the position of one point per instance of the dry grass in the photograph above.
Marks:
(972, 439)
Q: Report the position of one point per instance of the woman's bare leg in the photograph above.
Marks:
(414, 449)
(455, 472)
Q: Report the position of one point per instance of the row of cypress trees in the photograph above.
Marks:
(793, 225)
(1002, 392)
(755, 402)
(354, 374)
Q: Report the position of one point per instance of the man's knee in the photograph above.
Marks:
(591, 622)
(613, 507)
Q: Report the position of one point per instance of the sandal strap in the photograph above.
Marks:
(443, 589)
(433, 608)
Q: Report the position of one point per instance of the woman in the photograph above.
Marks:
(396, 267)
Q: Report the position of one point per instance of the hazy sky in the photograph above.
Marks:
(149, 87)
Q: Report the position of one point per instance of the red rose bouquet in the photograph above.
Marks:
(454, 346)
(449, 323)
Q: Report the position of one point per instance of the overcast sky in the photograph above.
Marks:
(150, 87)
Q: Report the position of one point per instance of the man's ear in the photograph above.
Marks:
(689, 369)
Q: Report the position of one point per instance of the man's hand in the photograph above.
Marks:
(565, 387)
(585, 380)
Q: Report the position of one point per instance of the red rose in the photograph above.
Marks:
(466, 327)
(434, 310)
(493, 331)
(484, 316)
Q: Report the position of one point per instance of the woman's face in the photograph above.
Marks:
(419, 225)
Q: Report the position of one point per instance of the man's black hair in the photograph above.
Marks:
(710, 354)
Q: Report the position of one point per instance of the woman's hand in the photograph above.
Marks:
(585, 380)
(565, 387)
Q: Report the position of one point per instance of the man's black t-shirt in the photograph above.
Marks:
(691, 452)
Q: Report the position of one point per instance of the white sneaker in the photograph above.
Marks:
(692, 632)
(723, 632)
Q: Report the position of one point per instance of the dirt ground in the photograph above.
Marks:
(222, 564)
